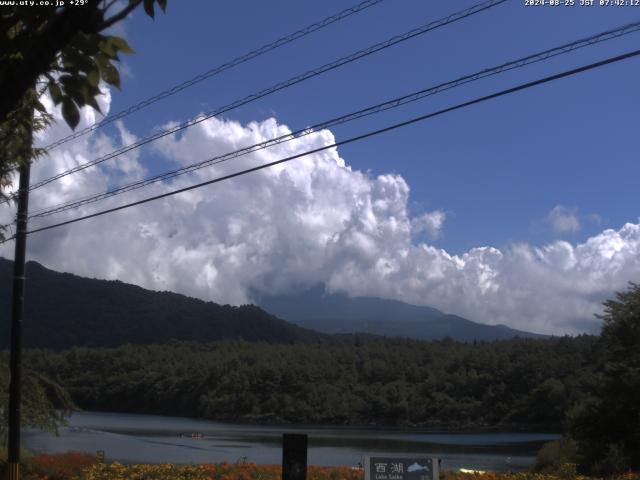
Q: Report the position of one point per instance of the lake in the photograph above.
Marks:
(133, 438)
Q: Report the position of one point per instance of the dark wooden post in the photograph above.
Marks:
(294, 456)
(17, 315)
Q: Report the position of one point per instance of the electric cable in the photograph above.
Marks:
(394, 103)
(454, 17)
(395, 126)
(219, 69)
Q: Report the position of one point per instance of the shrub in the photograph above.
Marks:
(62, 466)
(613, 461)
(553, 456)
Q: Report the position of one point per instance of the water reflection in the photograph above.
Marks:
(155, 439)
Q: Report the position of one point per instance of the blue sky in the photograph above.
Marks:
(497, 169)
(521, 211)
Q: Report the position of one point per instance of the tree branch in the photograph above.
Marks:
(120, 15)
(40, 51)
(39, 48)
(107, 6)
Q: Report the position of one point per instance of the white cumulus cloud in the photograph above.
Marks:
(563, 219)
(313, 220)
(430, 223)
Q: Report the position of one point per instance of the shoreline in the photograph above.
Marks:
(408, 428)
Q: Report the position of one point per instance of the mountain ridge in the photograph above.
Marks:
(64, 310)
(334, 313)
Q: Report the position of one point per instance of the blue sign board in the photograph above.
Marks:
(401, 467)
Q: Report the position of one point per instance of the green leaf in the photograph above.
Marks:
(88, 44)
(56, 93)
(76, 95)
(108, 48)
(93, 77)
(88, 93)
(74, 61)
(68, 83)
(86, 63)
(78, 90)
(148, 7)
(40, 107)
(111, 76)
(70, 112)
(101, 61)
(120, 44)
(91, 100)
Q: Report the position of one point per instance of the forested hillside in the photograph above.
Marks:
(522, 383)
(64, 310)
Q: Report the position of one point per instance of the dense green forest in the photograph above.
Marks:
(64, 310)
(354, 380)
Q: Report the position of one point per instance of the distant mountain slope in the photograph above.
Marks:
(63, 310)
(338, 313)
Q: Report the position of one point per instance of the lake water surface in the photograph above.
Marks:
(132, 438)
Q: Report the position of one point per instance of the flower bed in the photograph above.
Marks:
(79, 466)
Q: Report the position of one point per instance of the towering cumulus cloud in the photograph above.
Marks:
(313, 220)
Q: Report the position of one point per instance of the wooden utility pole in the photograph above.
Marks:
(17, 315)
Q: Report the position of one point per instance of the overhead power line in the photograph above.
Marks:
(396, 102)
(454, 17)
(219, 69)
(395, 126)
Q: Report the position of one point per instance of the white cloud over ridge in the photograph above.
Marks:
(313, 220)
